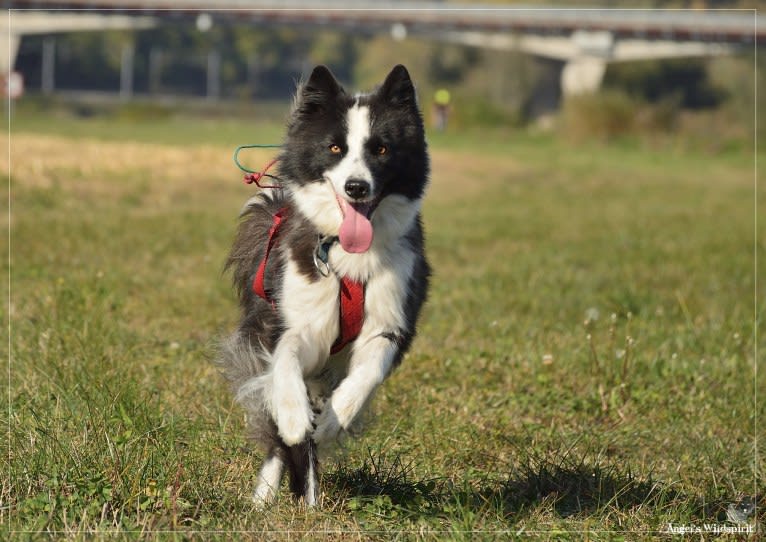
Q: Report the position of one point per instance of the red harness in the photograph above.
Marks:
(351, 291)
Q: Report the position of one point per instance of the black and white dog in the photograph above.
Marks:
(331, 272)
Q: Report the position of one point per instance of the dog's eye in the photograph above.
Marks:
(335, 149)
(382, 149)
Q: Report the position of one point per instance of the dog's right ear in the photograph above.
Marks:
(321, 88)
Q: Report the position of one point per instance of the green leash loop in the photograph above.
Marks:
(256, 146)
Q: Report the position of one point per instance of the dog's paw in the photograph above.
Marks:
(327, 428)
(260, 499)
(294, 420)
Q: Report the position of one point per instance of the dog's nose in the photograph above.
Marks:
(357, 188)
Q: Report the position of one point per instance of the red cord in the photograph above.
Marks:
(256, 176)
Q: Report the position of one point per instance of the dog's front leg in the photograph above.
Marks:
(370, 364)
(289, 401)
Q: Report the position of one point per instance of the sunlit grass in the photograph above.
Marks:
(585, 361)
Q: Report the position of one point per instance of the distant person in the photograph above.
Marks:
(441, 108)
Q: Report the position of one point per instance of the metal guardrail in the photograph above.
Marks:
(725, 26)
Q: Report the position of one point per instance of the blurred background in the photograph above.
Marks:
(683, 71)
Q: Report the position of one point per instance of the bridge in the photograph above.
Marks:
(583, 40)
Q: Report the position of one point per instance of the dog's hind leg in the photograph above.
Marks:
(304, 477)
(269, 477)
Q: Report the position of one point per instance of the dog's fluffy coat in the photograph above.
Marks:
(354, 167)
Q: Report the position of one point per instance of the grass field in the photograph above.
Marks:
(584, 369)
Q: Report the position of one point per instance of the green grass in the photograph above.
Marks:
(584, 364)
(154, 124)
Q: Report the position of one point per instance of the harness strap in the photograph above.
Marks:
(351, 292)
(351, 313)
(259, 286)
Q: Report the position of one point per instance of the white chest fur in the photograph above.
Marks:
(311, 312)
(311, 309)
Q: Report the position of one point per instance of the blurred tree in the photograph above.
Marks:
(448, 64)
(377, 55)
(89, 60)
(337, 50)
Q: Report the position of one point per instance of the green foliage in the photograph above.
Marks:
(740, 78)
(379, 54)
(684, 80)
(483, 112)
(90, 60)
(615, 114)
(142, 111)
(605, 115)
(449, 64)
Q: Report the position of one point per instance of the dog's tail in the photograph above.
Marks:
(245, 366)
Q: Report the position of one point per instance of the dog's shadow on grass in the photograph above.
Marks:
(561, 485)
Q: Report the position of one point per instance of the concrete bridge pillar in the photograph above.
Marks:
(582, 75)
(584, 69)
(9, 46)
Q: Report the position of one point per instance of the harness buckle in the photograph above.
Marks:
(322, 254)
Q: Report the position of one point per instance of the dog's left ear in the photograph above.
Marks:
(398, 89)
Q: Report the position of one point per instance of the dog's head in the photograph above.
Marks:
(356, 165)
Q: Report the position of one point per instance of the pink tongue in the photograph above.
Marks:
(356, 230)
